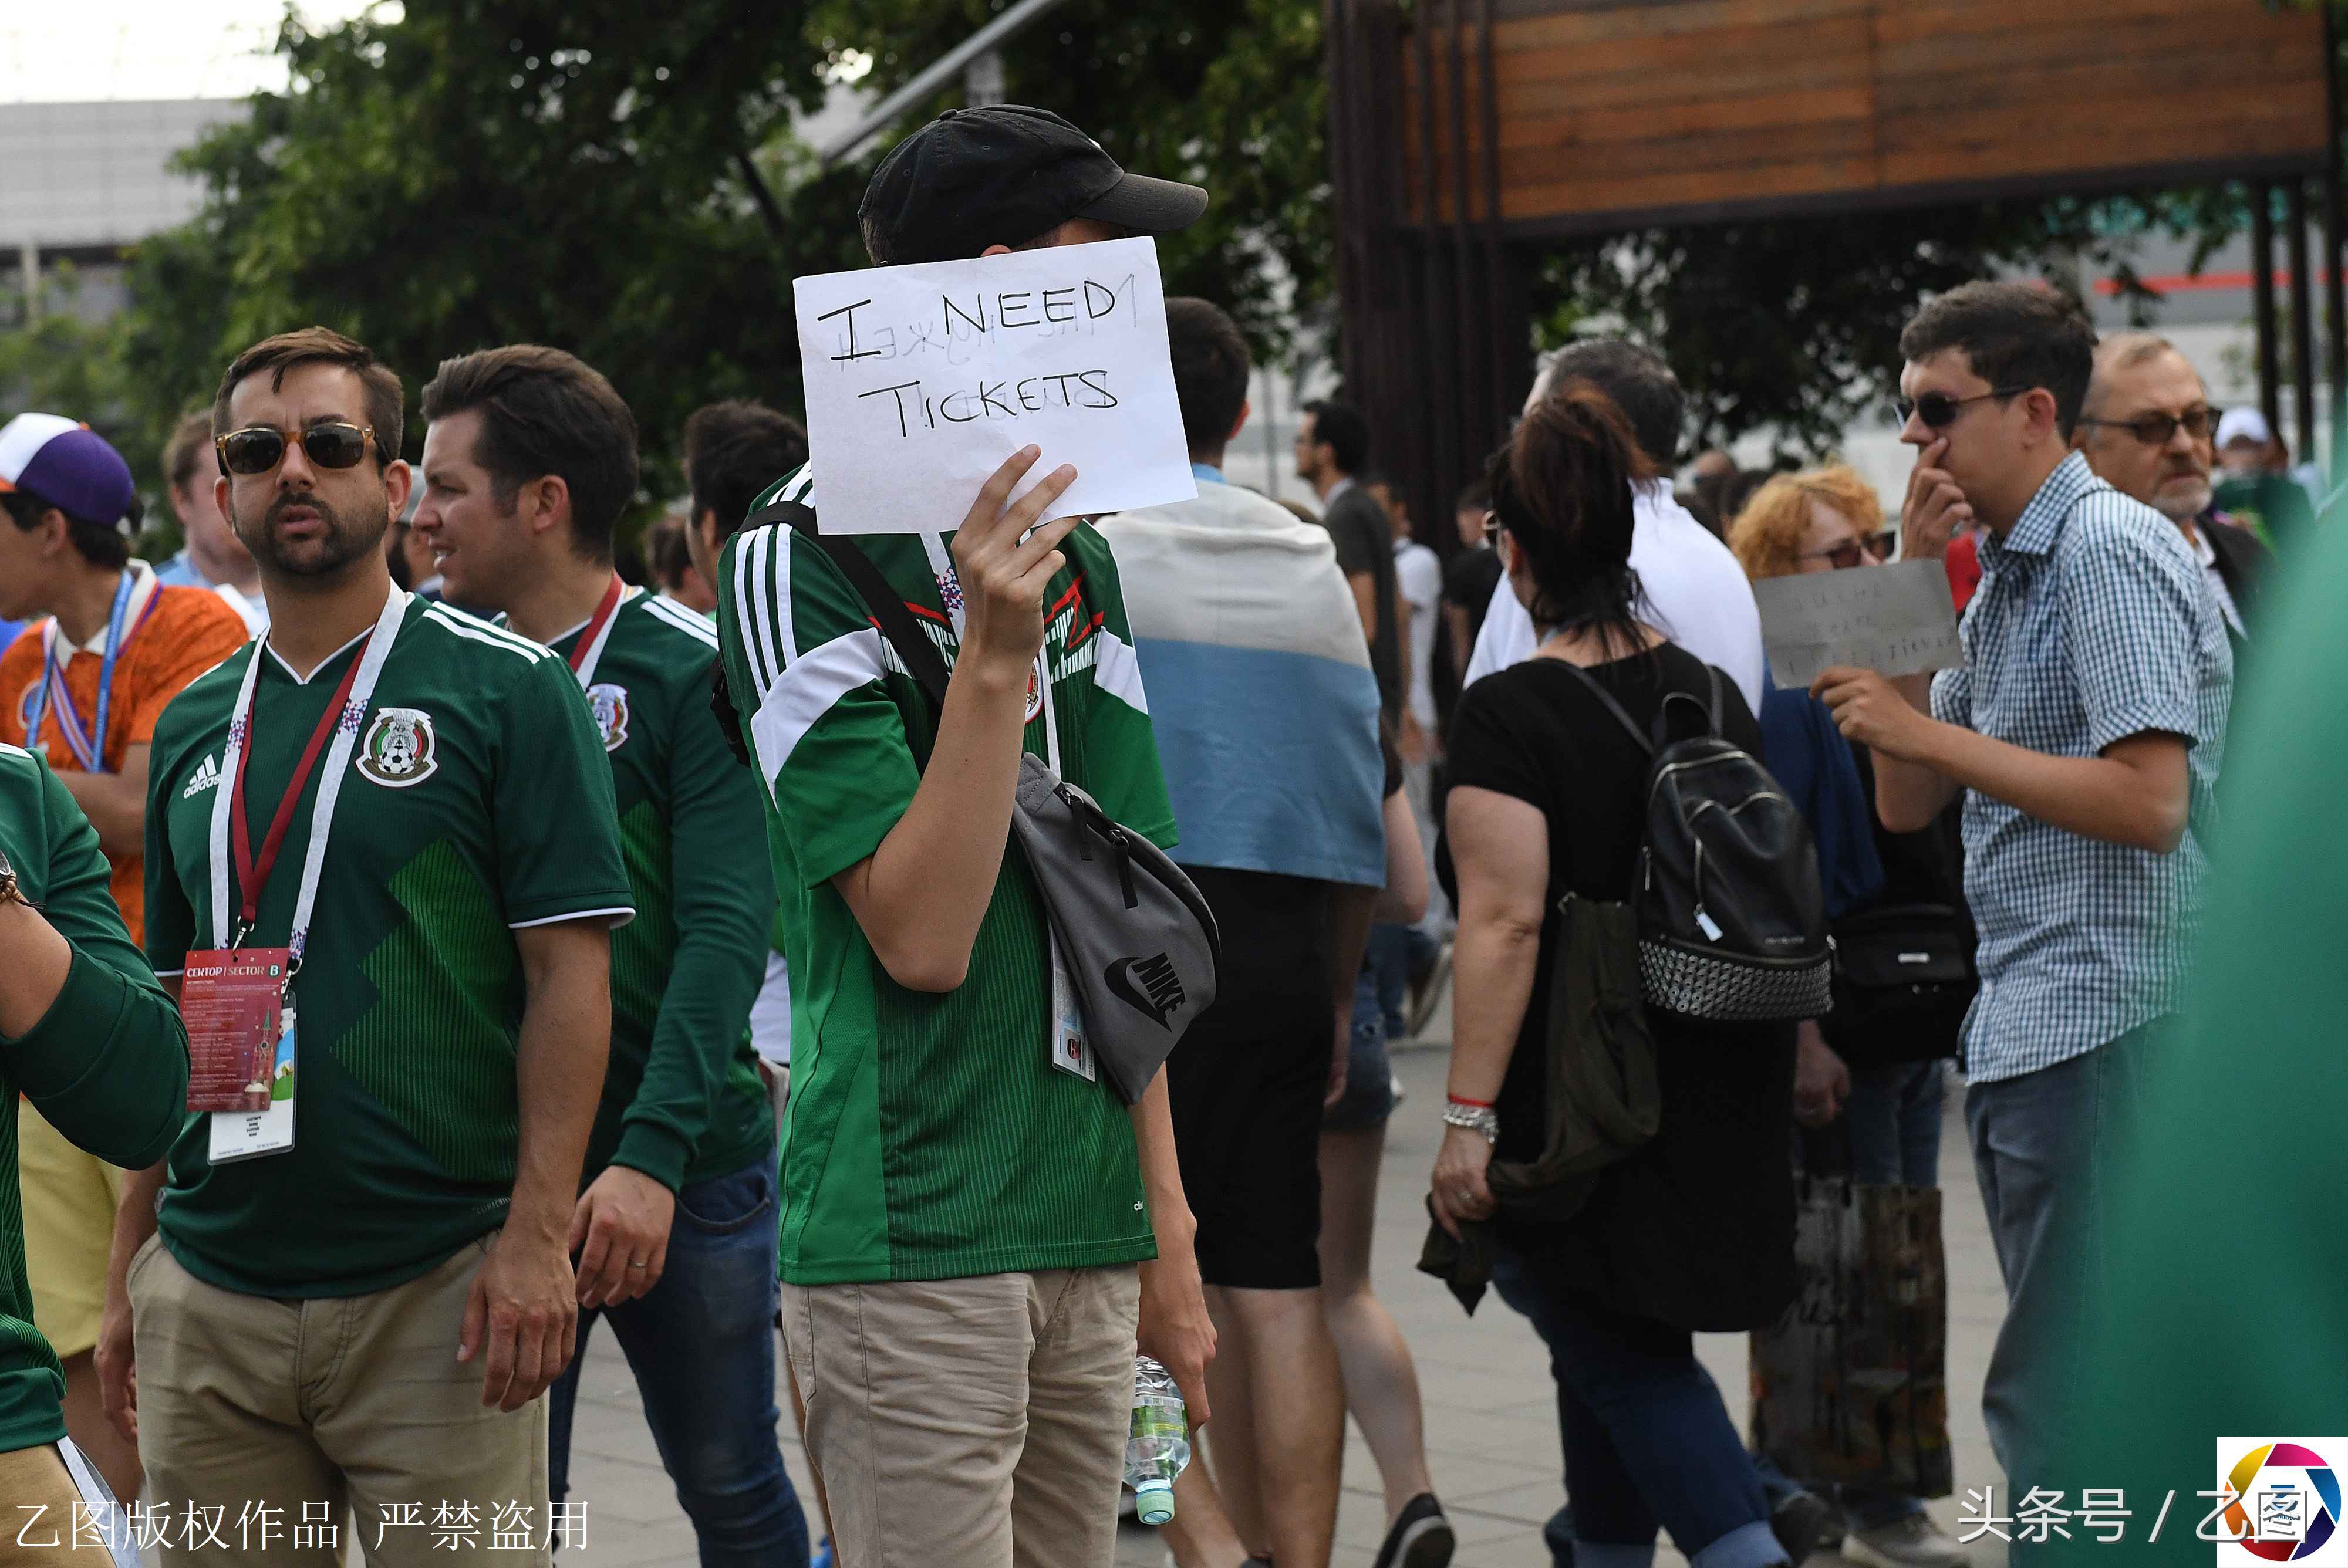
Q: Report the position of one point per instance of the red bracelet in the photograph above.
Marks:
(1471, 1104)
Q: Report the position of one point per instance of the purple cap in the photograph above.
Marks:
(69, 465)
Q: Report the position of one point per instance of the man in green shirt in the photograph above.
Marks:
(963, 1216)
(357, 1295)
(530, 460)
(91, 1040)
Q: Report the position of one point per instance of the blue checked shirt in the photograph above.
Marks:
(2093, 623)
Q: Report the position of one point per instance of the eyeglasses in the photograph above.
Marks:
(1880, 544)
(2158, 429)
(1938, 410)
(259, 448)
(1848, 554)
(1492, 528)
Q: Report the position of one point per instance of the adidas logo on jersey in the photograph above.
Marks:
(206, 776)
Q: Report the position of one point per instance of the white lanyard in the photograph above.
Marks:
(330, 786)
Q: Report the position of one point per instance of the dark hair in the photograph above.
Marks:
(2013, 334)
(1210, 370)
(1339, 425)
(733, 451)
(100, 544)
(1561, 489)
(1475, 495)
(382, 395)
(190, 444)
(395, 553)
(1638, 381)
(546, 411)
(667, 552)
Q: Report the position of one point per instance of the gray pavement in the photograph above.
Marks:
(1491, 1419)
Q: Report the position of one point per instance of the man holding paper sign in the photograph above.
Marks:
(2085, 729)
(965, 1202)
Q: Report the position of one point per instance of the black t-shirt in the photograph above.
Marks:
(1469, 583)
(1696, 1229)
(1363, 535)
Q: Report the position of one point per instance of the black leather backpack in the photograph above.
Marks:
(1731, 914)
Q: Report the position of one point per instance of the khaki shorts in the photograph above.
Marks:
(311, 1407)
(979, 1422)
(37, 1518)
(69, 1198)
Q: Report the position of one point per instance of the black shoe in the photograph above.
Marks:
(1801, 1524)
(1421, 1536)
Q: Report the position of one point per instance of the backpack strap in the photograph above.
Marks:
(1630, 725)
(884, 603)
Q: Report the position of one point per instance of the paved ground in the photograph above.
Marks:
(1492, 1424)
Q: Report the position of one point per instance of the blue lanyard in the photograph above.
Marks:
(89, 745)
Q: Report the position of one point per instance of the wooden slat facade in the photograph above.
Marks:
(1618, 113)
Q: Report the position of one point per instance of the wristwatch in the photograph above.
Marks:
(1479, 1118)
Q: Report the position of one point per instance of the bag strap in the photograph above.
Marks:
(884, 603)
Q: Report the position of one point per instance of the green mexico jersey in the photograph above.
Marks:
(683, 1101)
(928, 1136)
(106, 1064)
(478, 802)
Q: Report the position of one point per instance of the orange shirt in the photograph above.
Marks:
(189, 631)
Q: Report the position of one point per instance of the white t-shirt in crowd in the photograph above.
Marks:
(1418, 577)
(770, 1014)
(1696, 595)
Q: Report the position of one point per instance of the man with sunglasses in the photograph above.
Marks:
(396, 822)
(2084, 731)
(2147, 433)
(84, 688)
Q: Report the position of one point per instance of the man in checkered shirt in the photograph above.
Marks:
(2085, 729)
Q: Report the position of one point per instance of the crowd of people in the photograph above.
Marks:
(670, 964)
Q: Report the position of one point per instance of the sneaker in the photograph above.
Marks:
(1914, 1542)
(1421, 1536)
(1801, 1524)
(1426, 990)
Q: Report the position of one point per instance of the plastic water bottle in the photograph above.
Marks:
(1160, 1442)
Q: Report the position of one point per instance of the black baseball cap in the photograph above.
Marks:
(1004, 174)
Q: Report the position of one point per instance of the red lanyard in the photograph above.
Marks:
(586, 643)
(252, 874)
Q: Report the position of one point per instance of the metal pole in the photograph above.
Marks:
(2262, 299)
(28, 257)
(2303, 327)
(940, 71)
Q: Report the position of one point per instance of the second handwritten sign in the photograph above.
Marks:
(922, 379)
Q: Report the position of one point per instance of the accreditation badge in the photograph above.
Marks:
(244, 1134)
(231, 999)
(1071, 1053)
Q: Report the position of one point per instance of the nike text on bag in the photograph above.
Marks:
(1732, 918)
(1140, 943)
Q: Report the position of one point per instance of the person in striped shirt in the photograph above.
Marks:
(971, 1232)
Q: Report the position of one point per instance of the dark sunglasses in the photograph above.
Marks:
(1848, 554)
(1938, 410)
(259, 448)
(2158, 429)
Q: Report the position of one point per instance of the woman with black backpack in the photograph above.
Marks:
(1691, 1229)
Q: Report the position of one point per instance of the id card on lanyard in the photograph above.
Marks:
(251, 1129)
(87, 742)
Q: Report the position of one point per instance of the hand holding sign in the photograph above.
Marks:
(1003, 575)
(922, 380)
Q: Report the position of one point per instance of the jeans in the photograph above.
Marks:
(1394, 951)
(702, 1346)
(1647, 1440)
(2046, 1146)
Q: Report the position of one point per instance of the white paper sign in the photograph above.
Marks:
(1896, 619)
(922, 379)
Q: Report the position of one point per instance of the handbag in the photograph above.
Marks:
(1142, 947)
(1850, 1385)
(1903, 981)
